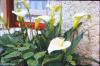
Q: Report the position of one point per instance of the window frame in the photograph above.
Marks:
(7, 8)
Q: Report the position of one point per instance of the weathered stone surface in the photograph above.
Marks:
(89, 46)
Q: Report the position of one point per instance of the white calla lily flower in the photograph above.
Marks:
(20, 13)
(58, 43)
(47, 18)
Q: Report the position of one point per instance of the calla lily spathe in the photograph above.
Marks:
(54, 8)
(58, 43)
(77, 18)
(37, 22)
(20, 13)
(47, 18)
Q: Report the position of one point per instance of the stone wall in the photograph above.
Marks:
(89, 45)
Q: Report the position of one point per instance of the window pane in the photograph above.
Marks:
(36, 8)
(21, 5)
(33, 4)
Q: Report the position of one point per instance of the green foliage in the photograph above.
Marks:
(52, 59)
(19, 49)
(12, 54)
(27, 55)
(32, 62)
(6, 39)
(75, 43)
(39, 55)
(68, 33)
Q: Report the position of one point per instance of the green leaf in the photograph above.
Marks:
(22, 48)
(25, 47)
(12, 46)
(75, 43)
(7, 51)
(52, 59)
(73, 63)
(12, 54)
(1, 41)
(60, 23)
(7, 39)
(27, 55)
(52, 23)
(56, 31)
(32, 62)
(8, 64)
(2, 60)
(69, 58)
(68, 34)
(39, 55)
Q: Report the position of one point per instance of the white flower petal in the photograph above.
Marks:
(39, 32)
(67, 44)
(52, 46)
(21, 13)
(58, 44)
(34, 32)
(29, 33)
(47, 18)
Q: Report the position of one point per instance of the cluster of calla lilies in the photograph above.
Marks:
(57, 43)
